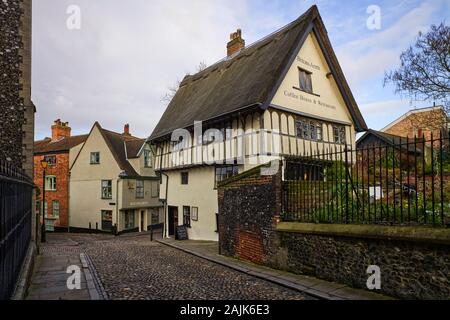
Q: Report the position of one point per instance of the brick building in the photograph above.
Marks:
(420, 123)
(59, 151)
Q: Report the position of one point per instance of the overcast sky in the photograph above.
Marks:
(116, 68)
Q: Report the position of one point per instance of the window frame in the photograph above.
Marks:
(339, 134)
(194, 214)
(51, 187)
(103, 213)
(309, 129)
(140, 189)
(308, 80)
(56, 215)
(225, 175)
(109, 196)
(97, 160)
(53, 161)
(148, 158)
(184, 175)
(187, 216)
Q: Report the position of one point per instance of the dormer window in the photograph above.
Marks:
(305, 82)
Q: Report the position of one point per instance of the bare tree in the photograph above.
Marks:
(201, 66)
(172, 90)
(424, 72)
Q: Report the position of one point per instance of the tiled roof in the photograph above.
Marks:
(62, 145)
(116, 143)
(133, 148)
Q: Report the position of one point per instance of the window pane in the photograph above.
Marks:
(56, 209)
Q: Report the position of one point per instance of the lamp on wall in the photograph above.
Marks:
(44, 165)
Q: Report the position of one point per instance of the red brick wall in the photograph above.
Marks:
(250, 246)
(61, 171)
(420, 124)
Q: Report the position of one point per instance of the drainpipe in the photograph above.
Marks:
(165, 204)
(117, 206)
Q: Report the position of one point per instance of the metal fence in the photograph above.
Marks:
(396, 182)
(15, 225)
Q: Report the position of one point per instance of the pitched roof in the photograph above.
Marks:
(413, 112)
(62, 145)
(248, 78)
(117, 143)
(391, 140)
(133, 147)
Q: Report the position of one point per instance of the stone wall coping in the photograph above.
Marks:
(403, 233)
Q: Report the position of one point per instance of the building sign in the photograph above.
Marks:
(303, 98)
(308, 63)
(139, 204)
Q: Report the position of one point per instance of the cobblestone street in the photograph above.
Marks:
(135, 268)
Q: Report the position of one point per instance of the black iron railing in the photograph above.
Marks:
(15, 225)
(393, 182)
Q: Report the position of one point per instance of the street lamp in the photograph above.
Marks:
(44, 165)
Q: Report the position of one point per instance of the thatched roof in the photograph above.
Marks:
(248, 79)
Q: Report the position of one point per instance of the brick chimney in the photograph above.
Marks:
(60, 130)
(236, 43)
(126, 130)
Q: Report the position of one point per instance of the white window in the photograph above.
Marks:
(309, 130)
(147, 158)
(139, 189)
(106, 189)
(339, 134)
(56, 209)
(95, 157)
(50, 183)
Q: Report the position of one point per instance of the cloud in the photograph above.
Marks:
(370, 56)
(118, 66)
(379, 114)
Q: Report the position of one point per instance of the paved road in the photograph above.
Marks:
(135, 268)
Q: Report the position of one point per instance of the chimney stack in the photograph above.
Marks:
(126, 130)
(236, 43)
(60, 130)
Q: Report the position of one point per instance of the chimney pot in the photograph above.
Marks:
(60, 130)
(236, 43)
(126, 129)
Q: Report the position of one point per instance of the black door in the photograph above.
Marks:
(173, 220)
